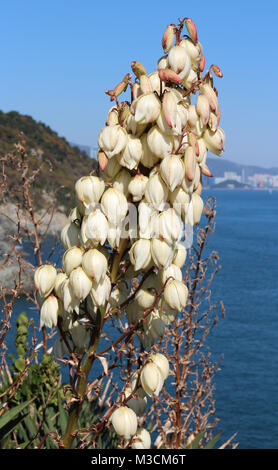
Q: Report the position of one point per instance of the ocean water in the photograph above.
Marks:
(246, 387)
(246, 238)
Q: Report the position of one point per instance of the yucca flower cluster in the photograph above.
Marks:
(133, 218)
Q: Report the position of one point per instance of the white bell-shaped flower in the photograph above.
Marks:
(141, 440)
(151, 379)
(49, 311)
(70, 235)
(175, 294)
(114, 205)
(45, 277)
(140, 254)
(124, 422)
(172, 171)
(112, 140)
(162, 253)
(94, 264)
(81, 283)
(72, 258)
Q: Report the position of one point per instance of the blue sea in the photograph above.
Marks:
(246, 387)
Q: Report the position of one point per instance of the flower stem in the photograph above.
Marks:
(82, 383)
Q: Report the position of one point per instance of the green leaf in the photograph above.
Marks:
(213, 441)
(62, 415)
(12, 413)
(10, 426)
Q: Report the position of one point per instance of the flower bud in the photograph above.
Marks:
(172, 171)
(162, 253)
(45, 277)
(162, 363)
(141, 440)
(154, 329)
(151, 379)
(72, 258)
(95, 227)
(168, 38)
(190, 163)
(168, 75)
(146, 108)
(114, 205)
(203, 109)
(192, 30)
(217, 71)
(80, 283)
(207, 90)
(156, 192)
(138, 69)
(112, 140)
(95, 264)
(49, 312)
(132, 153)
(124, 422)
(179, 61)
(175, 294)
(140, 254)
(102, 160)
(198, 206)
(137, 186)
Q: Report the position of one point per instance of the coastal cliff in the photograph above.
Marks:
(59, 163)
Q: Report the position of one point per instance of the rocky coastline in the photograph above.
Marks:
(11, 249)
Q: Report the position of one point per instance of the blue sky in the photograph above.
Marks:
(59, 56)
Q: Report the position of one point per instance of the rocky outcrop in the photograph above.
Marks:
(14, 228)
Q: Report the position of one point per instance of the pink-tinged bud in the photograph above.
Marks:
(168, 38)
(203, 108)
(192, 30)
(193, 141)
(217, 71)
(206, 171)
(145, 84)
(202, 63)
(190, 163)
(102, 160)
(138, 69)
(168, 75)
(169, 108)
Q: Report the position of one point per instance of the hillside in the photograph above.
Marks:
(219, 165)
(61, 164)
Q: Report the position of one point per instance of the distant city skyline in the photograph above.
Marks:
(59, 58)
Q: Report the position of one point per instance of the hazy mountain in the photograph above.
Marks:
(219, 165)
